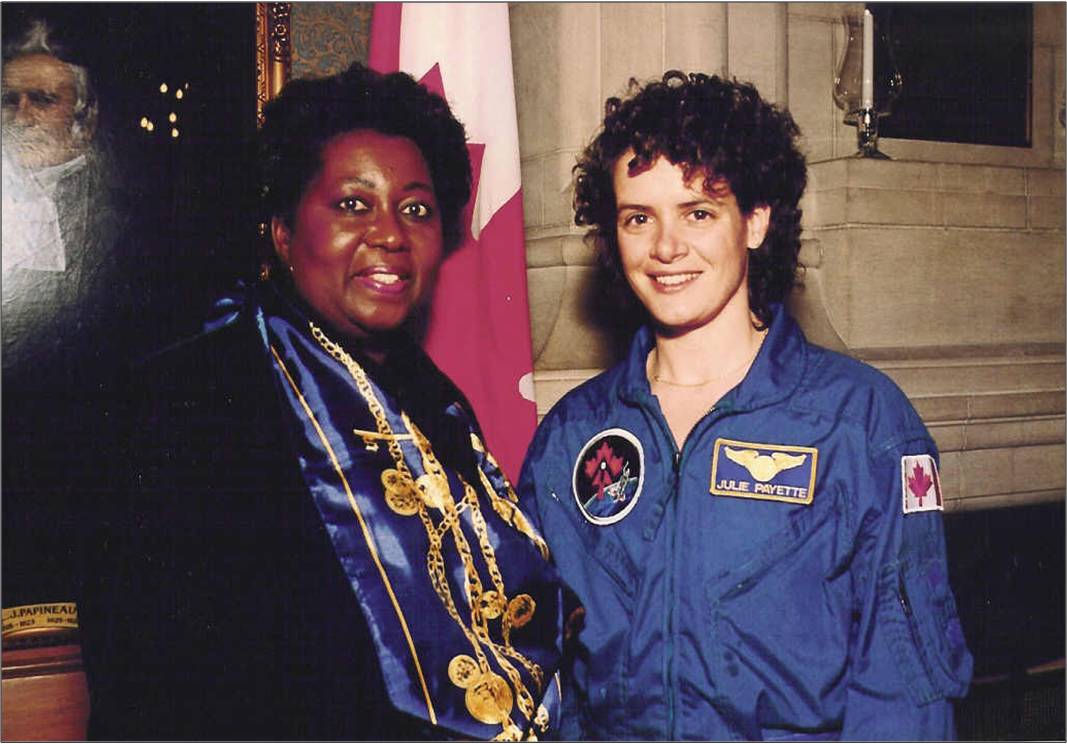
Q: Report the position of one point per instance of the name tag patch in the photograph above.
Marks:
(920, 484)
(772, 472)
(608, 475)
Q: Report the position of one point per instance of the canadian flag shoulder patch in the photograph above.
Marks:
(920, 484)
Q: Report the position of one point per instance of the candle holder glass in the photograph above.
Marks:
(848, 85)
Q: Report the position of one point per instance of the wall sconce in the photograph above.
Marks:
(864, 91)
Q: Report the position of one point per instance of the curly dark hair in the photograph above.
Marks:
(311, 111)
(705, 124)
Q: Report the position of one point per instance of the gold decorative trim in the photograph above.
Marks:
(273, 52)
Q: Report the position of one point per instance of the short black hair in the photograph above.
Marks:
(311, 111)
(702, 123)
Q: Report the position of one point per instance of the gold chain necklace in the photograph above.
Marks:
(488, 696)
(721, 376)
(506, 509)
(485, 605)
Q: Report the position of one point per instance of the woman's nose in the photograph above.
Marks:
(386, 232)
(669, 245)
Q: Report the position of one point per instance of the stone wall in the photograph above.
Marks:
(944, 267)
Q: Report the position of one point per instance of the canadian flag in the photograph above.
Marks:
(479, 329)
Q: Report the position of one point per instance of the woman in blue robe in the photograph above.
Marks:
(312, 539)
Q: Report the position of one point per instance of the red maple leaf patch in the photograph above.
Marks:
(603, 468)
(919, 483)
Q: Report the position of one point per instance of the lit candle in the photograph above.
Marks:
(868, 60)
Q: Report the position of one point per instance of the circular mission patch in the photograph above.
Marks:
(608, 476)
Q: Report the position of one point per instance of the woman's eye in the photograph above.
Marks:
(352, 204)
(417, 210)
(636, 219)
(701, 214)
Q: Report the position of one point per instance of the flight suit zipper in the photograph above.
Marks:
(910, 620)
(705, 422)
(678, 459)
(654, 414)
(671, 593)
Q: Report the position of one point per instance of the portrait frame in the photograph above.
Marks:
(273, 52)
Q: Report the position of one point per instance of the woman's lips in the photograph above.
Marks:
(673, 282)
(384, 281)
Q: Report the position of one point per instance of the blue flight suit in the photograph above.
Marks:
(765, 581)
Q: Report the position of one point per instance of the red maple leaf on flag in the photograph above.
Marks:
(919, 483)
(476, 150)
(603, 468)
(477, 330)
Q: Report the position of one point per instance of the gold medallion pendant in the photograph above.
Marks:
(463, 671)
(489, 699)
(400, 492)
(511, 732)
(433, 489)
(521, 610)
(492, 604)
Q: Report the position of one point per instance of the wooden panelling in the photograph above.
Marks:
(45, 696)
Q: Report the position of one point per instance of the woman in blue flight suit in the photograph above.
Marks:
(752, 523)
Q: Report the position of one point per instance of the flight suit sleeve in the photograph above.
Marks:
(908, 656)
(531, 501)
(526, 491)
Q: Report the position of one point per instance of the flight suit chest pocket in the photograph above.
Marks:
(816, 540)
(779, 621)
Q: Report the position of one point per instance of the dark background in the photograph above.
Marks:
(183, 229)
(966, 67)
(190, 198)
(1007, 572)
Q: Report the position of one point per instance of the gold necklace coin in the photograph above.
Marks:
(521, 610)
(492, 604)
(400, 493)
(541, 720)
(489, 699)
(463, 671)
(433, 490)
(511, 732)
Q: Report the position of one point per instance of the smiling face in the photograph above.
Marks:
(683, 250)
(365, 242)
